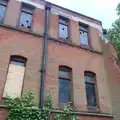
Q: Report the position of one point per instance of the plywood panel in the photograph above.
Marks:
(14, 82)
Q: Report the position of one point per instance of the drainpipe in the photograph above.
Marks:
(45, 45)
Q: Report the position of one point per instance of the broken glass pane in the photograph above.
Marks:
(63, 31)
(25, 20)
(83, 37)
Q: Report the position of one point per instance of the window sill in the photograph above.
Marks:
(93, 109)
(63, 39)
(86, 46)
(68, 42)
(84, 113)
(24, 29)
(61, 105)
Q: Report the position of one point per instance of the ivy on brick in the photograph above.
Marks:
(24, 108)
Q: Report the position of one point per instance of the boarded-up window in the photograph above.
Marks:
(26, 16)
(83, 35)
(64, 85)
(3, 5)
(90, 84)
(63, 28)
(15, 76)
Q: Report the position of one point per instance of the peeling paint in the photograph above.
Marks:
(54, 11)
(57, 12)
(104, 38)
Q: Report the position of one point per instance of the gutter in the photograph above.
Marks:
(44, 57)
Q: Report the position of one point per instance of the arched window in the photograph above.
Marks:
(90, 84)
(18, 60)
(65, 84)
(15, 76)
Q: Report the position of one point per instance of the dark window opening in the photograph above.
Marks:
(63, 28)
(18, 60)
(26, 16)
(3, 5)
(90, 84)
(84, 35)
(64, 85)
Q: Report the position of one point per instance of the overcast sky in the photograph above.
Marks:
(103, 10)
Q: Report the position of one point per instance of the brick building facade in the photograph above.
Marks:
(112, 67)
(77, 67)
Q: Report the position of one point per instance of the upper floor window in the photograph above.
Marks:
(3, 6)
(63, 28)
(90, 84)
(15, 76)
(26, 16)
(64, 84)
(84, 35)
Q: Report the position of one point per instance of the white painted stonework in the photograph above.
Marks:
(32, 3)
(54, 11)
(104, 38)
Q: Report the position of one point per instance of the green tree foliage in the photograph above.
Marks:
(66, 114)
(114, 32)
(24, 109)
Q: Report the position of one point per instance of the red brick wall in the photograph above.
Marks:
(79, 60)
(18, 43)
(113, 76)
(3, 113)
(38, 21)
(13, 8)
(74, 32)
(53, 26)
(38, 24)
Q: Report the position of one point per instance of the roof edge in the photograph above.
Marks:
(73, 11)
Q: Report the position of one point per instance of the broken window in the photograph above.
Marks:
(63, 28)
(3, 5)
(26, 16)
(84, 35)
